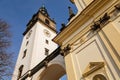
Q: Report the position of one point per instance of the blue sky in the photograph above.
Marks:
(17, 13)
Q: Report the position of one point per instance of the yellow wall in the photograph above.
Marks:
(111, 38)
(92, 46)
(114, 36)
(69, 67)
(87, 2)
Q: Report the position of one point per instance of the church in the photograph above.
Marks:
(87, 48)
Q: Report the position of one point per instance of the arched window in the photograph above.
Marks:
(24, 53)
(99, 77)
(46, 41)
(27, 43)
(20, 71)
(47, 21)
(46, 51)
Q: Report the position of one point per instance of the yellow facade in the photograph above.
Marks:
(94, 38)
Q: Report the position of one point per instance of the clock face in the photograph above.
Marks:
(28, 35)
(47, 33)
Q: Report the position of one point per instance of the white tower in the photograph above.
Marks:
(37, 42)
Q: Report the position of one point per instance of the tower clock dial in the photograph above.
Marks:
(47, 33)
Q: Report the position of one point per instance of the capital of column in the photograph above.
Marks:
(66, 50)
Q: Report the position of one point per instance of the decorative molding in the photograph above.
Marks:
(80, 19)
(66, 50)
(92, 67)
(118, 7)
(99, 24)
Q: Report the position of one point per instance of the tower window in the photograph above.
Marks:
(46, 51)
(29, 34)
(46, 41)
(24, 54)
(27, 43)
(47, 21)
(20, 71)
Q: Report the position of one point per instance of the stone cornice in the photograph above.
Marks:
(84, 16)
(96, 66)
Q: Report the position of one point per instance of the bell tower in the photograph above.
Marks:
(37, 43)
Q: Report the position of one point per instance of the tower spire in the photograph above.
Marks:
(43, 10)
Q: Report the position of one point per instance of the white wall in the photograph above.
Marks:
(35, 48)
(38, 52)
